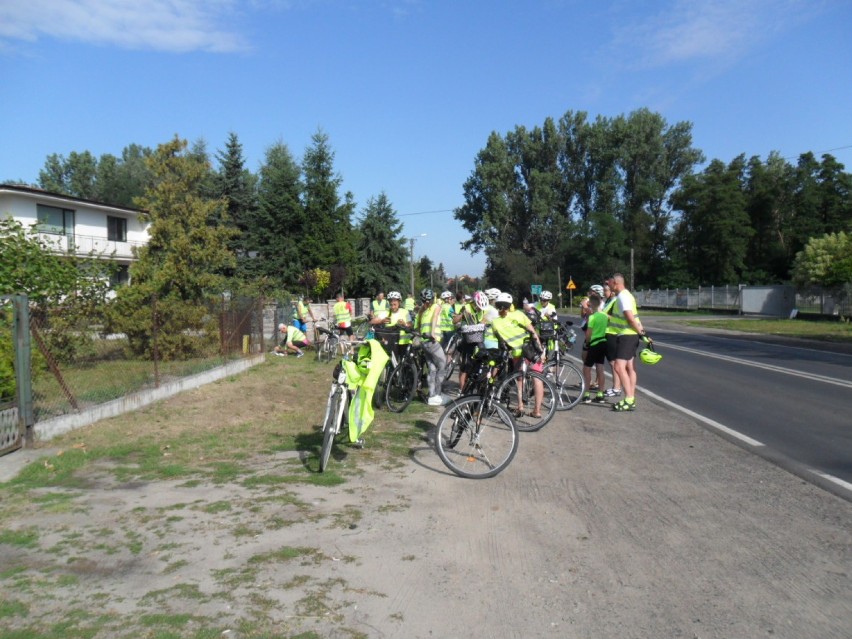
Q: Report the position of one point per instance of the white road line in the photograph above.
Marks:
(834, 480)
(768, 367)
(713, 424)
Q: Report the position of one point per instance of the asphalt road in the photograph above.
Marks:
(787, 400)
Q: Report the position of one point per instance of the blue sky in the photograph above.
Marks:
(409, 90)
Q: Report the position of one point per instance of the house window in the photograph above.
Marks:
(120, 276)
(116, 229)
(52, 219)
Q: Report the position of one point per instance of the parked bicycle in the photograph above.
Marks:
(408, 377)
(336, 410)
(566, 377)
(476, 436)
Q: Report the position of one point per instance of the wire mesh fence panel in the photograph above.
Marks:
(78, 363)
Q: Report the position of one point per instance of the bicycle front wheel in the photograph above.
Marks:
(518, 393)
(476, 438)
(401, 387)
(568, 382)
(333, 418)
(328, 349)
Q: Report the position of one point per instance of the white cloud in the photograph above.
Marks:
(707, 30)
(161, 25)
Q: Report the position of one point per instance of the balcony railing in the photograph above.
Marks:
(90, 245)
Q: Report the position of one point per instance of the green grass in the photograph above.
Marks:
(837, 332)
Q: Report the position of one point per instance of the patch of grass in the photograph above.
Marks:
(178, 591)
(175, 566)
(170, 621)
(21, 538)
(838, 332)
(287, 553)
(13, 608)
(217, 507)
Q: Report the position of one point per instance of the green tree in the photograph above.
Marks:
(713, 231)
(73, 176)
(276, 227)
(237, 186)
(179, 269)
(328, 241)
(825, 261)
(382, 254)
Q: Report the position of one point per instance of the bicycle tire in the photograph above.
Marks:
(568, 381)
(328, 350)
(453, 356)
(476, 438)
(331, 426)
(507, 394)
(402, 384)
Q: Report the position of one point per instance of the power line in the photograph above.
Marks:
(426, 212)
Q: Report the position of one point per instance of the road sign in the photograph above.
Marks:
(535, 289)
(571, 286)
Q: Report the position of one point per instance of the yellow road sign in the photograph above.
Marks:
(571, 286)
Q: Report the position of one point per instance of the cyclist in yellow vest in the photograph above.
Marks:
(427, 324)
(514, 328)
(396, 316)
(446, 321)
(594, 349)
(623, 343)
(608, 300)
(293, 340)
(379, 306)
(410, 305)
(301, 311)
(343, 317)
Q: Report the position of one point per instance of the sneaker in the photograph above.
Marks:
(301, 354)
(358, 443)
(623, 406)
(281, 354)
(613, 392)
(599, 399)
(587, 399)
(435, 400)
(593, 386)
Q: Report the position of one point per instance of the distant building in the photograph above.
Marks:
(76, 226)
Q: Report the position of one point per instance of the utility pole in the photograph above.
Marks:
(411, 259)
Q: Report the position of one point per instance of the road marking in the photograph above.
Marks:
(834, 480)
(768, 367)
(712, 423)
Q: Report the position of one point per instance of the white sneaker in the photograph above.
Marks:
(435, 400)
(281, 354)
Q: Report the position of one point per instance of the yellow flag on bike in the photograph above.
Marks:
(371, 362)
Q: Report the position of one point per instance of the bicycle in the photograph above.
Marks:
(335, 413)
(566, 377)
(407, 377)
(476, 437)
(453, 355)
(326, 348)
(518, 388)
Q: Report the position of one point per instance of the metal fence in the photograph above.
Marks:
(76, 364)
(736, 298)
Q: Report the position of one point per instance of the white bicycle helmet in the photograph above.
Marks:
(492, 293)
(546, 295)
(446, 295)
(394, 295)
(481, 300)
(503, 298)
(597, 288)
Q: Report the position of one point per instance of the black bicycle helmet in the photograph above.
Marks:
(427, 295)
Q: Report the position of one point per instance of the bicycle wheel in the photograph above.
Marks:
(329, 349)
(402, 384)
(453, 356)
(512, 395)
(476, 438)
(568, 382)
(334, 415)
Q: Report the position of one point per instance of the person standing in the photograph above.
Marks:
(409, 305)
(379, 307)
(608, 300)
(594, 348)
(428, 324)
(343, 317)
(622, 344)
(301, 311)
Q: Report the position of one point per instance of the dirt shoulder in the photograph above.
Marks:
(641, 524)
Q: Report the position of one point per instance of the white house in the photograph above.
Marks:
(80, 227)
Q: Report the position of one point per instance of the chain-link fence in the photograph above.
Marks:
(811, 301)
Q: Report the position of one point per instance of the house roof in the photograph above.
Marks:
(31, 190)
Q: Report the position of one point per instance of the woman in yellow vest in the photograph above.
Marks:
(428, 325)
(514, 328)
(396, 317)
(343, 317)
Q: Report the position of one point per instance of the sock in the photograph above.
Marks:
(630, 400)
